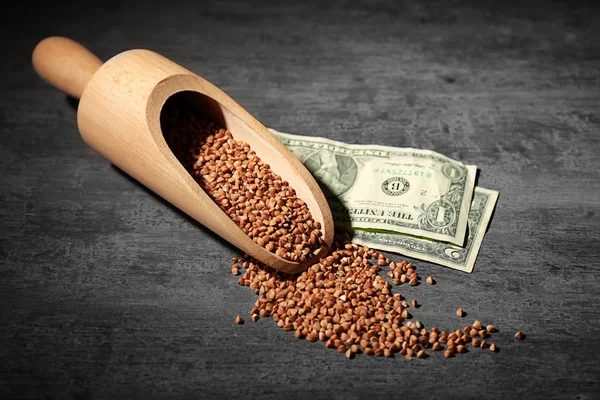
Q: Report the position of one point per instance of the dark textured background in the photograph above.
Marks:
(108, 292)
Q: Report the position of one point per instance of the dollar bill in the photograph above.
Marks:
(460, 258)
(404, 190)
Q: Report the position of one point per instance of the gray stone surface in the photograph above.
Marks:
(106, 291)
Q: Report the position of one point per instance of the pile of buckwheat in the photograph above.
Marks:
(263, 205)
(345, 303)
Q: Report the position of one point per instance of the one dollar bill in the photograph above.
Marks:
(460, 258)
(403, 190)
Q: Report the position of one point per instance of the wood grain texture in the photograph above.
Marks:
(109, 292)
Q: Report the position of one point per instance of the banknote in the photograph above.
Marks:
(460, 258)
(404, 190)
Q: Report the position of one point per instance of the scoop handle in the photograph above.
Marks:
(65, 64)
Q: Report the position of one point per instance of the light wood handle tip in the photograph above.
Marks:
(65, 64)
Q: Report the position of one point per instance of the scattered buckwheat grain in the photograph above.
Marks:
(520, 335)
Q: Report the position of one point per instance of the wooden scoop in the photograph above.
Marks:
(119, 116)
